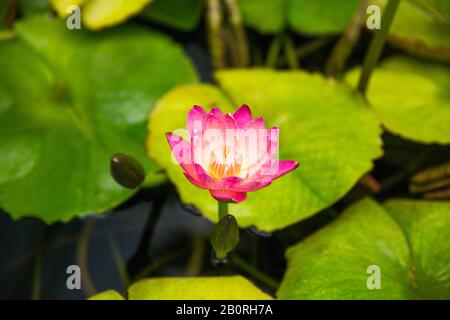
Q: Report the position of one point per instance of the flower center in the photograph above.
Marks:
(224, 165)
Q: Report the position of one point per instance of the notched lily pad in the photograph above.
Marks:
(404, 242)
(317, 119)
(422, 28)
(411, 98)
(68, 102)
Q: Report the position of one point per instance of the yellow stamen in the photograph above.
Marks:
(225, 166)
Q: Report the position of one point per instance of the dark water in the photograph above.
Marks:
(176, 236)
(18, 248)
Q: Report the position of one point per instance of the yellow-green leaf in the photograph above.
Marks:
(107, 295)
(200, 288)
(411, 98)
(97, 14)
(61, 6)
(102, 13)
(399, 250)
(317, 119)
(422, 28)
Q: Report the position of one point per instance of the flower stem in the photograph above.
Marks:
(376, 45)
(223, 209)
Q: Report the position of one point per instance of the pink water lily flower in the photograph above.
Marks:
(229, 154)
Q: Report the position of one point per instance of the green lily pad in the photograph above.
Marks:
(320, 17)
(107, 295)
(61, 6)
(34, 6)
(411, 98)
(71, 99)
(407, 240)
(180, 14)
(317, 119)
(97, 14)
(265, 16)
(200, 288)
(311, 17)
(422, 27)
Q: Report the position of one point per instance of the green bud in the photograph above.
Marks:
(126, 170)
(225, 236)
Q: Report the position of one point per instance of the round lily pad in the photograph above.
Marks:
(323, 125)
(319, 17)
(97, 14)
(180, 14)
(200, 288)
(107, 295)
(311, 17)
(68, 101)
(398, 250)
(265, 16)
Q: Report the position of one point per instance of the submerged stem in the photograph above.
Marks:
(376, 45)
(36, 292)
(289, 51)
(239, 31)
(195, 262)
(214, 18)
(254, 272)
(274, 51)
(82, 258)
(346, 43)
(118, 261)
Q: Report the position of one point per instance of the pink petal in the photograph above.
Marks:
(267, 147)
(217, 120)
(216, 112)
(229, 122)
(225, 195)
(229, 183)
(242, 116)
(212, 122)
(282, 167)
(196, 182)
(254, 184)
(195, 115)
(180, 148)
(204, 177)
(238, 184)
(200, 178)
(182, 153)
(255, 123)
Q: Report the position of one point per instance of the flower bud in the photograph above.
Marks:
(225, 236)
(126, 170)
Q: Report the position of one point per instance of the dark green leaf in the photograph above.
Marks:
(71, 99)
